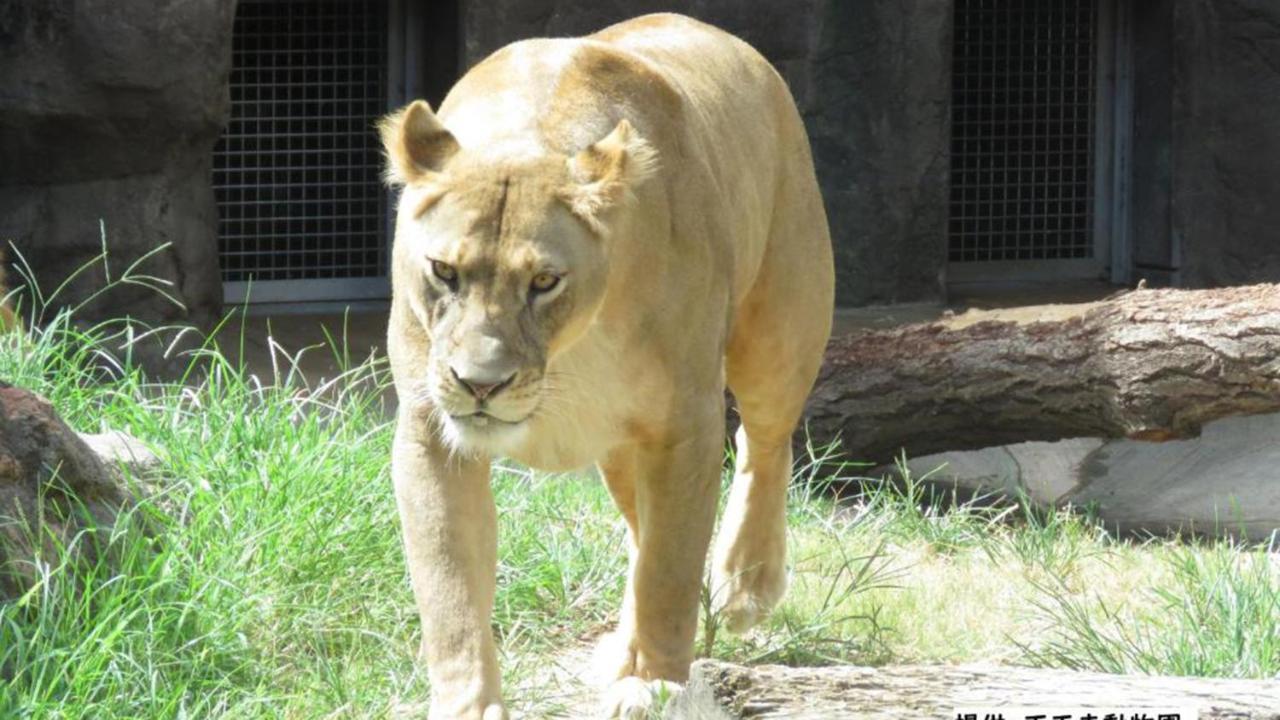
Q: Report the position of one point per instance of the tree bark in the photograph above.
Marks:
(1148, 364)
(722, 691)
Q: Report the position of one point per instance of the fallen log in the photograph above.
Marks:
(722, 691)
(1147, 364)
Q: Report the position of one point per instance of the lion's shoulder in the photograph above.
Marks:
(600, 83)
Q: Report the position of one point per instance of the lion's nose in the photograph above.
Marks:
(482, 387)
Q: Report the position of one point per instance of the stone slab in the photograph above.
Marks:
(1225, 482)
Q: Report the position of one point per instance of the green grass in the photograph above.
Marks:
(270, 581)
(1215, 614)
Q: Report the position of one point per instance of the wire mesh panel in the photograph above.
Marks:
(1022, 130)
(296, 173)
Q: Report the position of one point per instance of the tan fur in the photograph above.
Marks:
(658, 168)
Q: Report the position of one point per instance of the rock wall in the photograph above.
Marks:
(1154, 257)
(872, 80)
(1226, 141)
(108, 112)
(879, 117)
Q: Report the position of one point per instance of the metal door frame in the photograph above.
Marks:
(404, 42)
(1113, 115)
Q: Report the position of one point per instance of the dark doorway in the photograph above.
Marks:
(303, 213)
(1026, 153)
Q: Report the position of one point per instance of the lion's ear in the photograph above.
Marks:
(417, 145)
(604, 174)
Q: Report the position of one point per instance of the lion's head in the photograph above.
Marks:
(503, 259)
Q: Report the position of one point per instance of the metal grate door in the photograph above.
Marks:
(302, 212)
(1024, 140)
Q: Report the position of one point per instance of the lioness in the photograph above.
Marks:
(594, 236)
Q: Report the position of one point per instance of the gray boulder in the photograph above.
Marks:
(122, 450)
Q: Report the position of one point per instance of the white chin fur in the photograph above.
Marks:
(490, 438)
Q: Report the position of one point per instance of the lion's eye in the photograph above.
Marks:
(544, 282)
(446, 272)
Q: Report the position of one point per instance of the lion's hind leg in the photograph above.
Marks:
(748, 576)
(772, 359)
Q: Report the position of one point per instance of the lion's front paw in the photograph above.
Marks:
(743, 596)
(614, 657)
(634, 699)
